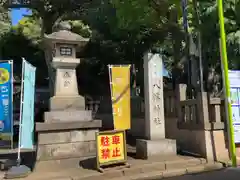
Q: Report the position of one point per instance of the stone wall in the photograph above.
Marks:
(210, 144)
(197, 124)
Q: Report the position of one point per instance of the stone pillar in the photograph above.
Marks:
(181, 95)
(155, 142)
(68, 131)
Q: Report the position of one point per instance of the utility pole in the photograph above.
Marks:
(224, 62)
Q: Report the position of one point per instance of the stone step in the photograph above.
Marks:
(58, 165)
(162, 167)
(173, 165)
(118, 175)
(158, 163)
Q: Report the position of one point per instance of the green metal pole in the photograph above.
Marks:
(227, 84)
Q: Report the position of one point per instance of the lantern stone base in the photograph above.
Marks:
(147, 149)
(66, 116)
(66, 140)
(59, 103)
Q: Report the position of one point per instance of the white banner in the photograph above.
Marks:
(26, 132)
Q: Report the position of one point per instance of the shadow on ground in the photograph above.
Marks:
(9, 158)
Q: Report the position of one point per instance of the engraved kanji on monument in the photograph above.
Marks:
(155, 142)
(154, 107)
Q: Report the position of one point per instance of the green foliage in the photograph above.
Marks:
(4, 19)
(30, 28)
(122, 30)
(80, 28)
(210, 31)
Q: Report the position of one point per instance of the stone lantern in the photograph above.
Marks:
(64, 45)
(68, 130)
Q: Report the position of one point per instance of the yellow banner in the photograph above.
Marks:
(120, 89)
(111, 147)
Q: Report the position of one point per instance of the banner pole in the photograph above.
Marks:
(19, 171)
(12, 121)
(20, 120)
(110, 79)
(111, 86)
(224, 62)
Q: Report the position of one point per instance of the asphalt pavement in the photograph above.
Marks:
(228, 173)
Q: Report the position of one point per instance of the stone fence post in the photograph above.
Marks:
(202, 107)
(180, 96)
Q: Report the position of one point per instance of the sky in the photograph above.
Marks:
(18, 13)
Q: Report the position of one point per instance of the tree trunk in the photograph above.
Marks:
(51, 71)
(48, 52)
(176, 42)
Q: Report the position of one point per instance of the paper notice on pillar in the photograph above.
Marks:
(120, 90)
(234, 96)
(235, 114)
(27, 119)
(236, 133)
(234, 78)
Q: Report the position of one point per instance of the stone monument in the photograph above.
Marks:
(155, 142)
(68, 130)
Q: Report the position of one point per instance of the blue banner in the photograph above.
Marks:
(27, 116)
(6, 104)
(234, 80)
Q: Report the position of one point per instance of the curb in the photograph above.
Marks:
(158, 167)
(226, 163)
(174, 172)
